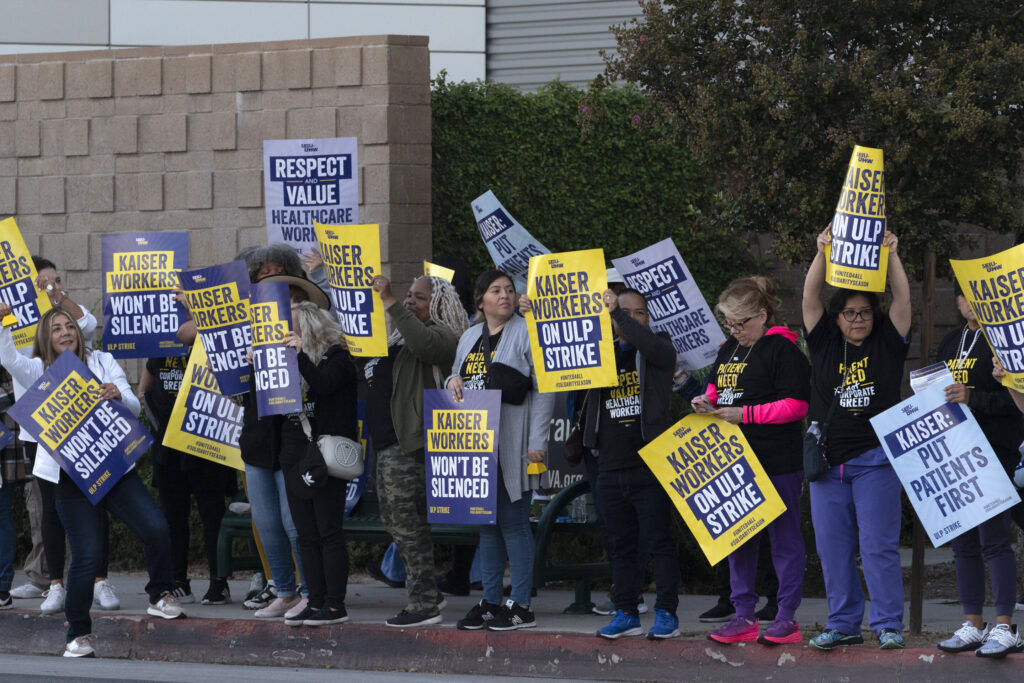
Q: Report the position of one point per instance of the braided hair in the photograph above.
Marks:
(445, 308)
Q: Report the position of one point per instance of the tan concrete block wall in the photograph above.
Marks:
(171, 139)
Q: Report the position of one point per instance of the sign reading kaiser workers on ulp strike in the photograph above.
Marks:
(674, 302)
(275, 367)
(570, 332)
(218, 299)
(204, 422)
(462, 456)
(994, 289)
(715, 481)
(856, 258)
(141, 316)
(351, 256)
(950, 472)
(307, 181)
(18, 285)
(94, 441)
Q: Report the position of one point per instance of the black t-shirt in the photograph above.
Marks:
(771, 370)
(871, 385)
(969, 358)
(379, 384)
(474, 369)
(619, 433)
(168, 372)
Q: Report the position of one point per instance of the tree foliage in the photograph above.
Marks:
(579, 170)
(774, 95)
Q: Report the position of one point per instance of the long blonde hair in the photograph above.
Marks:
(319, 329)
(445, 308)
(43, 346)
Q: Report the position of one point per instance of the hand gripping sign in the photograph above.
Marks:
(856, 258)
(351, 260)
(204, 422)
(715, 481)
(462, 456)
(570, 332)
(994, 288)
(141, 315)
(18, 286)
(94, 441)
(947, 467)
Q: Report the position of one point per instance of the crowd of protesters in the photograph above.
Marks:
(760, 381)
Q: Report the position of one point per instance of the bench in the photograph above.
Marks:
(364, 524)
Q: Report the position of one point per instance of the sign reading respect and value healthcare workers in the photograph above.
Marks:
(510, 245)
(994, 289)
(218, 299)
(856, 258)
(307, 181)
(570, 332)
(94, 441)
(18, 285)
(275, 367)
(462, 456)
(351, 256)
(204, 422)
(141, 316)
(674, 302)
(715, 481)
(950, 472)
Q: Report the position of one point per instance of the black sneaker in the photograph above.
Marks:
(445, 584)
(263, 598)
(218, 594)
(722, 611)
(299, 619)
(6, 601)
(512, 616)
(326, 615)
(768, 612)
(373, 569)
(183, 591)
(478, 616)
(407, 619)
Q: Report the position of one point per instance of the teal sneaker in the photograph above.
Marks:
(622, 625)
(666, 625)
(829, 639)
(890, 639)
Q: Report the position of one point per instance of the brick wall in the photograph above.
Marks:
(170, 138)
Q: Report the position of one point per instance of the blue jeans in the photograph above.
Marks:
(129, 502)
(510, 538)
(273, 519)
(7, 537)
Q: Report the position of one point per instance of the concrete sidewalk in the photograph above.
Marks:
(561, 646)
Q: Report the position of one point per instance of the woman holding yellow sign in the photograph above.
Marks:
(857, 355)
(759, 381)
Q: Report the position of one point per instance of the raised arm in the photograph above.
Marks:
(899, 311)
(811, 304)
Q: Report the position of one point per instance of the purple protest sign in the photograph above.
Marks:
(218, 299)
(462, 456)
(275, 368)
(94, 441)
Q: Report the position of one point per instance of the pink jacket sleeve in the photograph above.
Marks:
(712, 393)
(777, 412)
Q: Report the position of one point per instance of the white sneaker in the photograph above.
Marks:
(54, 601)
(278, 608)
(167, 607)
(294, 611)
(966, 638)
(104, 596)
(26, 591)
(1001, 641)
(80, 647)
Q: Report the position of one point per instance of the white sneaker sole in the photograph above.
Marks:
(71, 654)
(154, 612)
(436, 619)
(638, 631)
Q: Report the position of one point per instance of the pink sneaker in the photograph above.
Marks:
(278, 608)
(739, 630)
(781, 632)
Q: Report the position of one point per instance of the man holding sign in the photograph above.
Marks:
(125, 497)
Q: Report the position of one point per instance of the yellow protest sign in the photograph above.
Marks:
(715, 481)
(351, 260)
(994, 288)
(856, 258)
(18, 286)
(204, 422)
(570, 332)
(434, 270)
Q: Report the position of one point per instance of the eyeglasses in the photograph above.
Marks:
(850, 315)
(736, 326)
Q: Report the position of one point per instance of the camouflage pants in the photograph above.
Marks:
(402, 495)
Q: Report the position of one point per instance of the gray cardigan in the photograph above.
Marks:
(523, 427)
